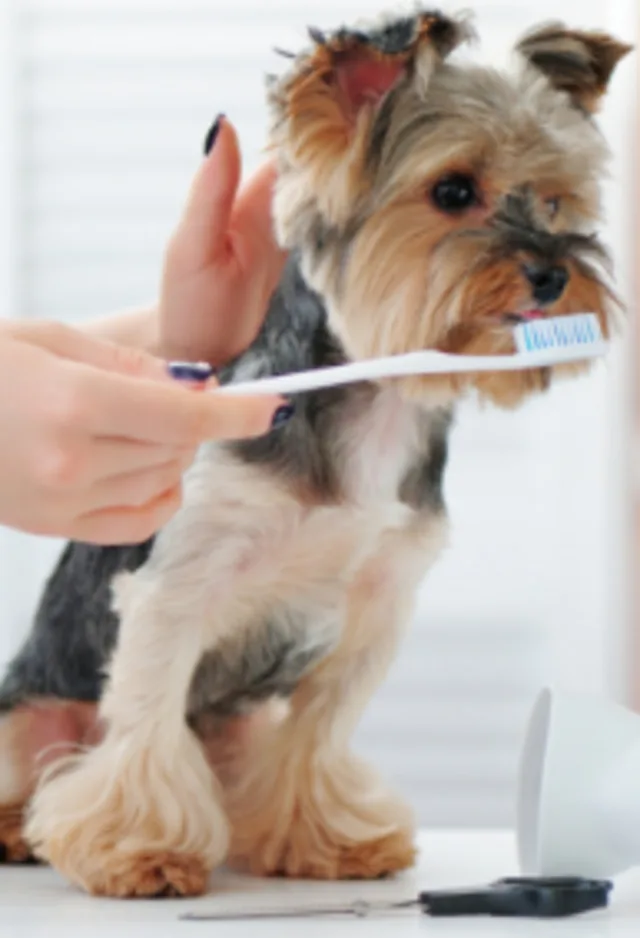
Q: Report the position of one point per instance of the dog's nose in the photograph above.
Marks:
(547, 283)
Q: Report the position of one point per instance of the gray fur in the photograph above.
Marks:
(240, 674)
(399, 34)
(575, 62)
(74, 630)
(518, 229)
(475, 102)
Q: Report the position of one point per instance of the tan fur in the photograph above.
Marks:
(153, 874)
(322, 135)
(14, 847)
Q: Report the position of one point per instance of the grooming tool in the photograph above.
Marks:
(507, 898)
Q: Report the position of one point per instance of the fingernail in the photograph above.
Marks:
(212, 134)
(190, 371)
(282, 415)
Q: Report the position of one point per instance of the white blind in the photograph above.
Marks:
(114, 99)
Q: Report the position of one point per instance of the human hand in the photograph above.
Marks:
(95, 437)
(222, 263)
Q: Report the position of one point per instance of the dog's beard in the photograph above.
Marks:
(465, 299)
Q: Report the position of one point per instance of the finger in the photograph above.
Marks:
(78, 346)
(172, 415)
(113, 457)
(128, 525)
(202, 236)
(136, 489)
(252, 231)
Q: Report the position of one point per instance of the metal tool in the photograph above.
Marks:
(512, 897)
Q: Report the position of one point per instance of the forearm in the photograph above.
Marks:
(135, 328)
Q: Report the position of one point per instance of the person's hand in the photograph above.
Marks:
(94, 437)
(222, 263)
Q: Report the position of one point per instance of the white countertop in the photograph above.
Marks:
(34, 901)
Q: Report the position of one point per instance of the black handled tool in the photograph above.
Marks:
(522, 897)
(511, 897)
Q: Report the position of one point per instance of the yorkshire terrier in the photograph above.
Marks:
(201, 690)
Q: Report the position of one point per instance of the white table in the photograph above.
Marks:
(36, 902)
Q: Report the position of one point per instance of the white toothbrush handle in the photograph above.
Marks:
(415, 363)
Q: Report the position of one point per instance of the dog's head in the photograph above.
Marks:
(435, 205)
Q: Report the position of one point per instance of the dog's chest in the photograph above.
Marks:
(379, 449)
(320, 550)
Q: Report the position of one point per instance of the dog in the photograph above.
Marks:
(425, 203)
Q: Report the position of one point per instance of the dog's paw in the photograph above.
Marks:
(122, 820)
(147, 875)
(375, 858)
(13, 846)
(372, 859)
(322, 818)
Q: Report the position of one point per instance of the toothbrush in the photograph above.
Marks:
(539, 343)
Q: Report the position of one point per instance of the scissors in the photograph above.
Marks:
(525, 897)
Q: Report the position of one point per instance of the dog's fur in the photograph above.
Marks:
(245, 641)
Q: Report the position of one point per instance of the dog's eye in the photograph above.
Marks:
(455, 193)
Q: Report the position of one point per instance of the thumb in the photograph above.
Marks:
(202, 235)
(81, 347)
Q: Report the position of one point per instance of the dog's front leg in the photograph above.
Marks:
(302, 804)
(139, 814)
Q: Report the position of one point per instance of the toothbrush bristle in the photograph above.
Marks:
(559, 332)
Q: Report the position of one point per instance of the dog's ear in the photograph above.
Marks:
(325, 105)
(578, 63)
(362, 67)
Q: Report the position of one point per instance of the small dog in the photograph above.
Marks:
(425, 204)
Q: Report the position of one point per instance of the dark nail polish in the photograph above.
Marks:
(190, 371)
(282, 415)
(212, 134)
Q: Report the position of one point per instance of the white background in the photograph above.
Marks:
(103, 108)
